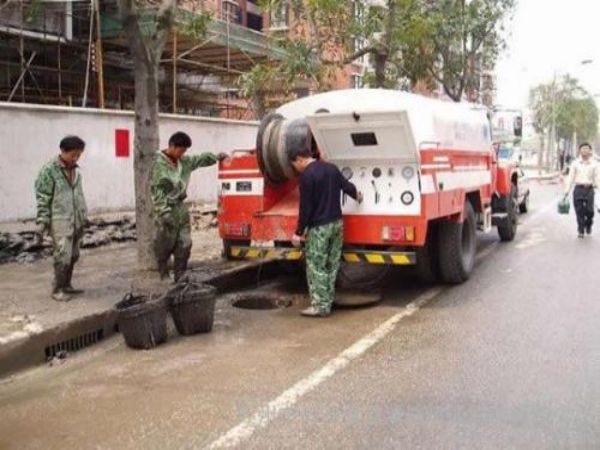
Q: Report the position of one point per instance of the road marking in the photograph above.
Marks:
(266, 414)
(287, 399)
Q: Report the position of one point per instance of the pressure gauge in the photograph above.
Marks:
(347, 173)
(407, 197)
(376, 172)
(408, 172)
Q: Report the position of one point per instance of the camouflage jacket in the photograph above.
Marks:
(57, 199)
(169, 181)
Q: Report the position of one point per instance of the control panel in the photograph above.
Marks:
(388, 189)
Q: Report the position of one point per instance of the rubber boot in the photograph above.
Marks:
(60, 282)
(69, 289)
(179, 267)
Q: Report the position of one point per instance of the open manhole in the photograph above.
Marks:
(260, 301)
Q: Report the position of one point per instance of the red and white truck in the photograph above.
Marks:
(427, 169)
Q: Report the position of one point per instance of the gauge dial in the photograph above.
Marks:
(407, 197)
(347, 173)
(408, 172)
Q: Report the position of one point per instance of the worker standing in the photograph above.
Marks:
(320, 217)
(170, 178)
(584, 176)
(62, 212)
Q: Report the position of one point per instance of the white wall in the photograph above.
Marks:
(30, 135)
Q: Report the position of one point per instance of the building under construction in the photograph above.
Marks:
(74, 53)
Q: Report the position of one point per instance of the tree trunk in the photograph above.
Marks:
(259, 104)
(146, 144)
(380, 65)
(146, 51)
(541, 153)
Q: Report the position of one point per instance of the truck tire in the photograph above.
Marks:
(428, 265)
(508, 229)
(457, 247)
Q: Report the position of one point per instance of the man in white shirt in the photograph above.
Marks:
(584, 176)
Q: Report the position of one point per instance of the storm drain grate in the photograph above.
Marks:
(75, 343)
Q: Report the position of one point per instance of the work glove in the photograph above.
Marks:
(222, 157)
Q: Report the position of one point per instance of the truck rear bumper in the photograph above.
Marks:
(348, 255)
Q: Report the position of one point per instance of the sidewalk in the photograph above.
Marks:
(33, 326)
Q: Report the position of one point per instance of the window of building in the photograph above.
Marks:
(254, 21)
(357, 81)
(230, 9)
(280, 17)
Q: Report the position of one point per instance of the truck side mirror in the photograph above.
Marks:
(518, 126)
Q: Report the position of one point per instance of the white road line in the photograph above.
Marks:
(268, 413)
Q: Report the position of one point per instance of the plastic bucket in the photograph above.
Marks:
(143, 323)
(563, 206)
(193, 309)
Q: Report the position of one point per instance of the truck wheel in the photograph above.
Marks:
(428, 266)
(524, 206)
(457, 246)
(507, 230)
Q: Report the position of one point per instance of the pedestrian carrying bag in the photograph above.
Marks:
(563, 206)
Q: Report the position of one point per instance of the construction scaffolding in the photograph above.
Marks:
(74, 53)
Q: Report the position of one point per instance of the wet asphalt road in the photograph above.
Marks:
(508, 360)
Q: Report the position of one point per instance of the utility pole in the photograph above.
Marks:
(552, 140)
(99, 57)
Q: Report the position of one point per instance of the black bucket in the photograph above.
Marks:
(142, 322)
(193, 309)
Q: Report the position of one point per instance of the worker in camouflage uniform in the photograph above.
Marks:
(170, 178)
(62, 213)
(320, 217)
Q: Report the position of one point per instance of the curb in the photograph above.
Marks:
(88, 330)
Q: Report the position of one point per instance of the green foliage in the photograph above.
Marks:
(449, 41)
(569, 105)
(193, 26)
(467, 37)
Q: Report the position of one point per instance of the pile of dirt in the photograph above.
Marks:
(102, 232)
(203, 217)
(23, 247)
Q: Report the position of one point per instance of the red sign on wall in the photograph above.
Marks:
(122, 143)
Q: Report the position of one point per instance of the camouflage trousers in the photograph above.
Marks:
(176, 241)
(66, 240)
(323, 253)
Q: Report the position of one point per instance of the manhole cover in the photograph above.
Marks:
(260, 301)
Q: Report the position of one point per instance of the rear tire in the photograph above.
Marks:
(457, 247)
(508, 229)
(428, 266)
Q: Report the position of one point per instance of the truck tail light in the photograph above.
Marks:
(398, 233)
(237, 229)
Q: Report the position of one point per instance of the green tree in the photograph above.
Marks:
(407, 41)
(466, 39)
(147, 25)
(568, 108)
